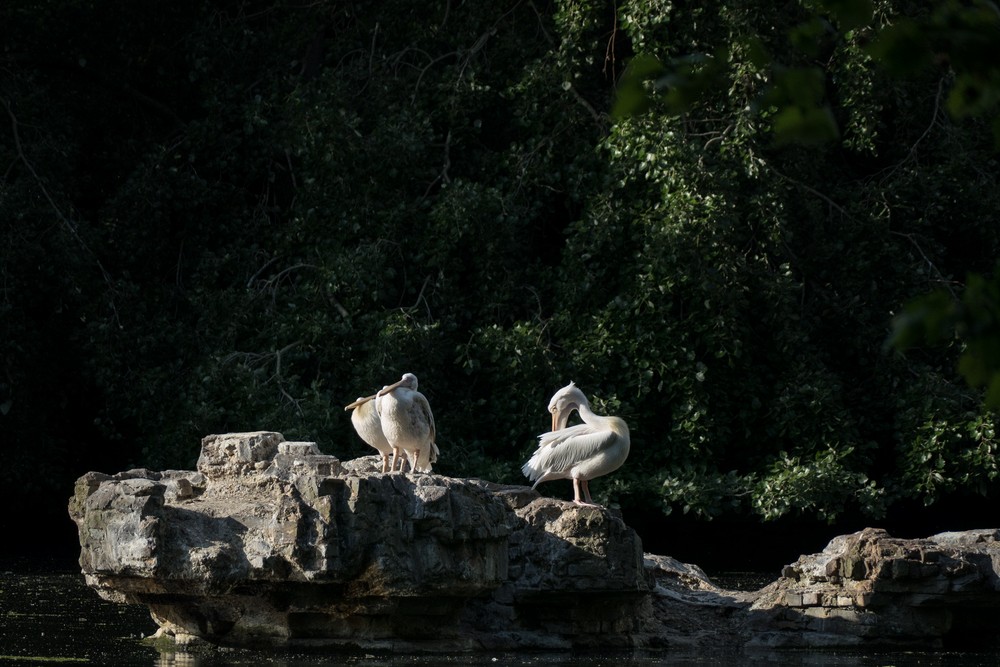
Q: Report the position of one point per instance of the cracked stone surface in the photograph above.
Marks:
(273, 543)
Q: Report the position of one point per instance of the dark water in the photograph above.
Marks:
(51, 617)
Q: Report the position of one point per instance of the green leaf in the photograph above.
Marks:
(632, 96)
(902, 48)
(808, 37)
(805, 125)
(850, 14)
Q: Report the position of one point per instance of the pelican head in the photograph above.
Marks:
(409, 380)
(361, 401)
(563, 403)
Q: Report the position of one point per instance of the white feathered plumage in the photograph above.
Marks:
(408, 423)
(367, 423)
(594, 448)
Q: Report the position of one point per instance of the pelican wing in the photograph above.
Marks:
(556, 438)
(366, 410)
(558, 451)
(420, 404)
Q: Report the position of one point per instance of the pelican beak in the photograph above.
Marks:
(386, 390)
(560, 418)
(359, 402)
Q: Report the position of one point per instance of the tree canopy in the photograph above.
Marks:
(229, 216)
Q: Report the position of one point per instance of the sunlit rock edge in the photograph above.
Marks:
(271, 543)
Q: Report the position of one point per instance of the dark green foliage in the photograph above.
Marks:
(962, 39)
(245, 215)
(939, 318)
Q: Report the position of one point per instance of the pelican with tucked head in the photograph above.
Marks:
(594, 448)
(367, 423)
(408, 423)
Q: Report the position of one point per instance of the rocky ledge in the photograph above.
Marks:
(273, 543)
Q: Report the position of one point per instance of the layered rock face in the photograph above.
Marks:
(871, 588)
(273, 543)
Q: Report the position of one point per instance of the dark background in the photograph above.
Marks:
(236, 216)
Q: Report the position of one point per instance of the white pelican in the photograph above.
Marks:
(369, 426)
(596, 447)
(408, 423)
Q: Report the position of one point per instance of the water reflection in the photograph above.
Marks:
(53, 616)
(779, 659)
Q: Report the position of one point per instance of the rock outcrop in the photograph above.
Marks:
(273, 543)
(871, 588)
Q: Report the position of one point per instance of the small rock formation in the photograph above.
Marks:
(871, 588)
(273, 543)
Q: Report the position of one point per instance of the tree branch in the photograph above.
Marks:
(813, 191)
(941, 277)
(66, 222)
(912, 153)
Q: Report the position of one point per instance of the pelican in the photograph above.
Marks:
(594, 448)
(369, 426)
(408, 423)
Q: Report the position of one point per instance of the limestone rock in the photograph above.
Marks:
(272, 542)
(235, 454)
(871, 588)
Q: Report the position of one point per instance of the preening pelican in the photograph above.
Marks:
(408, 423)
(369, 426)
(594, 448)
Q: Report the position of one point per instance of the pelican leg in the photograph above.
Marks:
(385, 463)
(395, 455)
(581, 486)
(415, 463)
